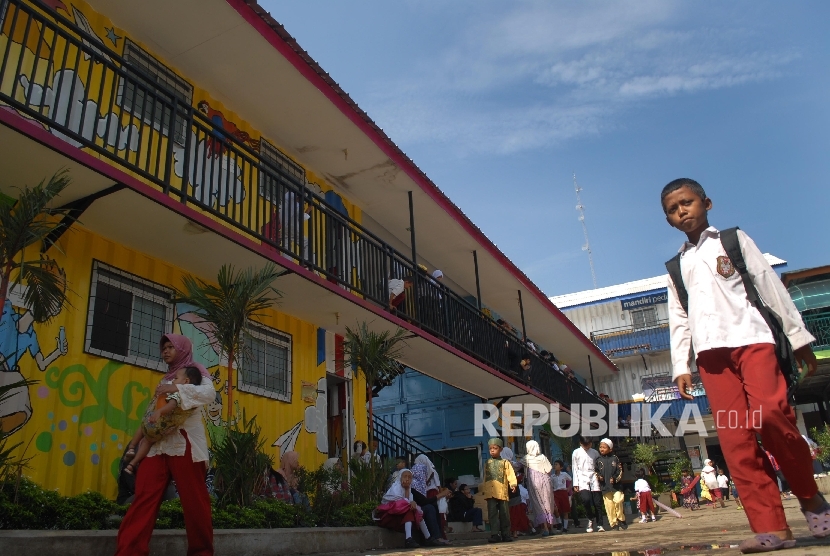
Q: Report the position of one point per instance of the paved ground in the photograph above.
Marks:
(705, 531)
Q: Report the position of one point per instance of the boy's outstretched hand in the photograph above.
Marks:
(805, 355)
(684, 385)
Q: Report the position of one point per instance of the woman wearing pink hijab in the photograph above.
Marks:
(182, 455)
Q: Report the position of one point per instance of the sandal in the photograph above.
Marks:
(129, 469)
(765, 542)
(819, 523)
(130, 453)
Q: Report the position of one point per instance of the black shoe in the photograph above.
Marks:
(615, 528)
(430, 542)
(507, 538)
(623, 525)
(411, 543)
(494, 538)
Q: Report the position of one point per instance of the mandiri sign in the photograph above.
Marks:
(645, 300)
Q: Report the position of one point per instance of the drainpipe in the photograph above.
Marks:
(414, 257)
(478, 284)
(522, 311)
(591, 369)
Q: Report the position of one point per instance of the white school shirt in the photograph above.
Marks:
(723, 481)
(720, 316)
(174, 444)
(560, 482)
(641, 485)
(582, 465)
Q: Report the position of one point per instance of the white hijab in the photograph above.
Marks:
(536, 460)
(432, 475)
(397, 491)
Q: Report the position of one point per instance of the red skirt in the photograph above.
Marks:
(562, 500)
(518, 518)
(393, 515)
(646, 502)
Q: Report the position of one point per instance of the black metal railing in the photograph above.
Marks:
(393, 442)
(631, 340)
(61, 77)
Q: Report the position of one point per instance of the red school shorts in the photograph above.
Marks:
(560, 498)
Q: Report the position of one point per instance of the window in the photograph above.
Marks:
(265, 363)
(644, 318)
(268, 185)
(127, 317)
(148, 75)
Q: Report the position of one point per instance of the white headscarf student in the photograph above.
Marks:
(536, 460)
(540, 487)
(426, 477)
(398, 510)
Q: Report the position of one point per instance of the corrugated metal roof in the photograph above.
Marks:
(629, 288)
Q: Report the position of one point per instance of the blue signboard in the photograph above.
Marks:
(645, 300)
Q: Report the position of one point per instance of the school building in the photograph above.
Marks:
(199, 133)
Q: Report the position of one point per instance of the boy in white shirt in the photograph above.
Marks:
(723, 484)
(735, 353)
(586, 482)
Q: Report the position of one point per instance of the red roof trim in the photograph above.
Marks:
(285, 44)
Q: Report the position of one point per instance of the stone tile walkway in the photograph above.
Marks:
(705, 531)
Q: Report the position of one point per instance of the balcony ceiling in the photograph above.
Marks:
(211, 44)
(157, 231)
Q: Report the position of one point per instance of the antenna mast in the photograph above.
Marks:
(587, 247)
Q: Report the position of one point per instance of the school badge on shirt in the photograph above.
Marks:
(725, 266)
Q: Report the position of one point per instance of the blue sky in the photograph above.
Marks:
(499, 102)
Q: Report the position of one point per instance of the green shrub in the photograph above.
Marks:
(89, 510)
(357, 515)
(25, 505)
(171, 515)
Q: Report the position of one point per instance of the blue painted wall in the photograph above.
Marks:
(437, 414)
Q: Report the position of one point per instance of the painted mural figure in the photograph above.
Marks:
(17, 336)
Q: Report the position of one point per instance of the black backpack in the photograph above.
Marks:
(783, 349)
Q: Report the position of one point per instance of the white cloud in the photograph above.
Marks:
(535, 74)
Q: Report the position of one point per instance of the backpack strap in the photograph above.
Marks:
(729, 240)
(673, 266)
(783, 349)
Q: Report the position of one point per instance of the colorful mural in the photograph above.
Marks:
(85, 408)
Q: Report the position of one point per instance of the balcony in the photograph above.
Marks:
(630, 340)
(150, 133)
(819, 326)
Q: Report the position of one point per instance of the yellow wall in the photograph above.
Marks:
(85, 407)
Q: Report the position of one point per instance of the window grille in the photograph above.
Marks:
(127, 317)
(265, 363)
(644, 318)
(269, 184)
(147, 75)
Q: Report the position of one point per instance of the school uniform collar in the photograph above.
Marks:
(711, 231)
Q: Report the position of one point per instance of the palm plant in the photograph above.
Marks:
(375, 355)
(26, 222)
(230, 305)
(241, 462)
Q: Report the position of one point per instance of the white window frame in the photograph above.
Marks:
(90, 319)
(272, 336)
